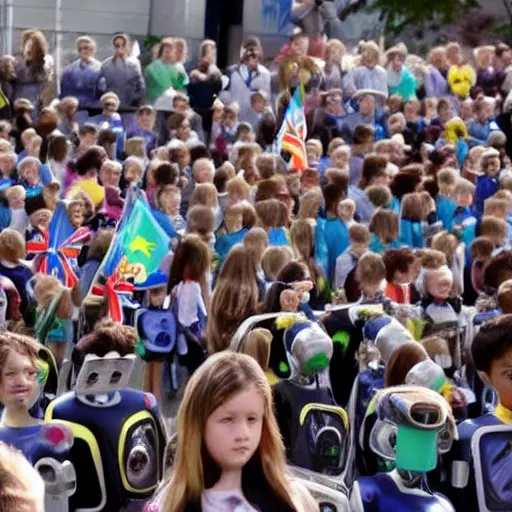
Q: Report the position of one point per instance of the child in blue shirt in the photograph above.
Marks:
(29, 172)
(466, 215)
(488, 184)
(445, 205)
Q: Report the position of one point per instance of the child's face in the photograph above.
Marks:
(181, 105)
(340, 159)
(466, 111)
(464, 199)
(31, 174)
(493, 167)
(246, 136)
(228, 119)
(233, 430)
(157, 296)
(439, 285)
(183, 158)
(110, 176)
(346, 213)
(500, 377)
(132, 173)
(170, 203)
(358, 248)
(19, 387)
(110, 107)
(87, 140)
(16, 201)
(146, 120)
(184, 130)
(258, 104)
(217, 115)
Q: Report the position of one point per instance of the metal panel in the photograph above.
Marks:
(103, 22)
(181, 18)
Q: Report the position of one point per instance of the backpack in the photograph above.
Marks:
(316, 431)
(324, 431)
(157, 330)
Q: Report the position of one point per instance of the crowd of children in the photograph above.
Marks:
(392, 246)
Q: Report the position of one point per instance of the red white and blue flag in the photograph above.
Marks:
(293, 132)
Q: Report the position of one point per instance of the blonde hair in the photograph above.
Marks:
(274, 259)
(217, 380)
(14, 191)
(310, 204)
(496, 207)
(257, 345)
(238, 186)
(446, 243)
(204, 194)
(17, 490)
(505, 297)
(12, 246)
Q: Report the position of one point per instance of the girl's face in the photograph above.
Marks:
(183, 158)
(340, 160)
(18, 387)
(16, 201)
(233, 430)
(132, 173)
(184, 130)
(157, 296)
(146, 120)
(169, 53)
(31, 174)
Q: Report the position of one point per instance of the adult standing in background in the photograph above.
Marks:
(80, 78)
(369, 75)
(165, 71)
(34, 71)
(246, 77)
(122, 75)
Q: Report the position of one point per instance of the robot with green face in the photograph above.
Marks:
(414, 426)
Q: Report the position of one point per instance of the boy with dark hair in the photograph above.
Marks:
(491, 353)
(399, 274)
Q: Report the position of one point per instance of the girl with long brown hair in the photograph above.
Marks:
(229, 451)
(234, 299)
(303, 244)
(189, 287)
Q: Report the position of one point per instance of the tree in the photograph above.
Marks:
(418, 13)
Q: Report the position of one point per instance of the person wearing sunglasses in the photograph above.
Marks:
(80, 78)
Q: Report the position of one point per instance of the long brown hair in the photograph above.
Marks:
(216, 381)
(39, 49)
(234, 299)
(191, 262)
(301, 234)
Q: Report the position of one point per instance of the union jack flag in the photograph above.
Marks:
(293, 132)
(60, 247)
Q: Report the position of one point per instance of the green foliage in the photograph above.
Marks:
(418, 13)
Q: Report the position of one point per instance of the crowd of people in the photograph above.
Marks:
(402, 202)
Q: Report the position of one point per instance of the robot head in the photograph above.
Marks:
(308, 347)
(411, 417)
(104, 375)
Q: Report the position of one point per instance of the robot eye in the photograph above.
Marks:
(92, 379)
(116, 377)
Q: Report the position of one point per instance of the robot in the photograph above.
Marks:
(119, 438)
(414, 426)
